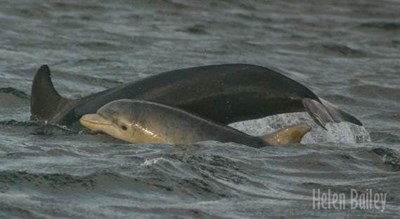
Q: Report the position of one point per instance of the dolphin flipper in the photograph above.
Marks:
(46, 102)
(317, 111)
(324, 112)
(339, 115)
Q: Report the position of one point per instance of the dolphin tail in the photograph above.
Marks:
(46, 102)
(288, 135)
(324, 112)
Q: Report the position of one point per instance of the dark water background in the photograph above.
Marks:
(346, 51)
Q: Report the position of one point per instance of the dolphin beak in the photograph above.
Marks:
(94, 122)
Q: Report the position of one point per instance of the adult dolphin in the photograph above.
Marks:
(223, 93)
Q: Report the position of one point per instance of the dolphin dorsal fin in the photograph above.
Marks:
(45, 100)
(289, 135)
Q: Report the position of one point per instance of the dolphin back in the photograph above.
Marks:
(222, 93)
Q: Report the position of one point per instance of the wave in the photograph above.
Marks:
(381, 25)
(14, 92)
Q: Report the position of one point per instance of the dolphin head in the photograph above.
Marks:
(117, 118)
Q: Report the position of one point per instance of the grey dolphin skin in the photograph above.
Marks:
(222, 93)
(139, 121)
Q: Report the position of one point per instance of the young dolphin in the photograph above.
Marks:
(139, 121)
(222, 93)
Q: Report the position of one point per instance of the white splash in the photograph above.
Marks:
(150, 162)
(343, 132)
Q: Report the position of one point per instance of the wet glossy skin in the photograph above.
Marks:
(139, 121)
(222, 93)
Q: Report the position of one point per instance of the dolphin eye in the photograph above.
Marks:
(123, 127)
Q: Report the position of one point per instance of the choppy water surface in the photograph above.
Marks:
(345, 51)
